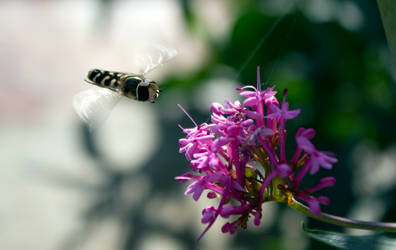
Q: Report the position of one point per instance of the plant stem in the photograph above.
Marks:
(344, 222)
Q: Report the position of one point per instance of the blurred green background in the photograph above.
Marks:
(63, 187)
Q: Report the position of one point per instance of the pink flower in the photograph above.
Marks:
(223, 154)
(256, 97)
(320, 159)
(208, 214)
(303, 138)
(283, 113)
(230, 210)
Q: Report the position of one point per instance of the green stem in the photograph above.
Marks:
(344, 222)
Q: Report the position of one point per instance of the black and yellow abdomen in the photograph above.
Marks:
(104, 78)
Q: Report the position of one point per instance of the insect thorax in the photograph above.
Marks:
(130, 85)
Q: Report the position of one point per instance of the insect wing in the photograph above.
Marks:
(152, 57)
(94, 105)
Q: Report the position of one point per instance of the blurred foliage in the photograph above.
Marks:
(352, 242)
(339, 77)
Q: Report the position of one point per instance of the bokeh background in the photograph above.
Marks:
(62, 187)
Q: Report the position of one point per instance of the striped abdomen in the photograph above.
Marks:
(103, 78)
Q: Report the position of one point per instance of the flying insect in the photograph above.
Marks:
(94, 105)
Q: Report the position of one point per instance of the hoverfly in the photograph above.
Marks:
(94, 105)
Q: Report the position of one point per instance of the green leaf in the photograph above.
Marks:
(353, 242)
(388, 15)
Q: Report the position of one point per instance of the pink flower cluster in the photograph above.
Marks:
(240, 158)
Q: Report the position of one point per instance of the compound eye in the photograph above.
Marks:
(143, 93)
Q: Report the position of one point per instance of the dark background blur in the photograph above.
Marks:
(63, 187)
